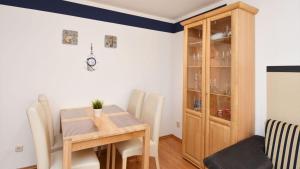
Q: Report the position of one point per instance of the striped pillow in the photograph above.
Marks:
(282, 144)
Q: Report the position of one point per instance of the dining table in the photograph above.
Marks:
(81, 129)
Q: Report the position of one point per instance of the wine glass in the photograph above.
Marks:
(196, 81)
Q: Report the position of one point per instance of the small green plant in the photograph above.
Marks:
(97, 104)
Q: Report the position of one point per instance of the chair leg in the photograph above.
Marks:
(108, 156)
(124, 163)
(157, 162)
(113, 163)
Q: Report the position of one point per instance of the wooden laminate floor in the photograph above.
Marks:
(169, 157)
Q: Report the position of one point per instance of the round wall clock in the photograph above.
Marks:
(91, 61)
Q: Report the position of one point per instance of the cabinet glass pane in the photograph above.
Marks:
(220, 68)
(194, 68)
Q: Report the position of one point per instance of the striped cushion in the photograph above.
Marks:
(282, 144)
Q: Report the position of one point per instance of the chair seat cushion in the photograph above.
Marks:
(58, 143)
(84, 159)
(247, 154)
(133, 147)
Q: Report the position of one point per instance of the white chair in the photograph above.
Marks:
(151, 114)
(134, 107)
(85, 159)
(55, 140)
(135, 102)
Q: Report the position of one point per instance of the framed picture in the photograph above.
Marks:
(70, 37)
(110, 41)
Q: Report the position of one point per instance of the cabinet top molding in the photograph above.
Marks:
(237, 5)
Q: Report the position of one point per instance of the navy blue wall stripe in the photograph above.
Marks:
(84, 11)
(89, 12)
(283, 68)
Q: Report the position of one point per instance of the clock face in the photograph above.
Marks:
(91, 61)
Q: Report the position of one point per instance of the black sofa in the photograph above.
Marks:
(247, 154)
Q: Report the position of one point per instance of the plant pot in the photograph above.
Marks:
(97, 112)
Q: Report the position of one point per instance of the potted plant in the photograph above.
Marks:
(97, 106)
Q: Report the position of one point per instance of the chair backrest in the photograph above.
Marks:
(135, 102)
(40, 136)
(48, 115)
(282, 144)
(151, 114)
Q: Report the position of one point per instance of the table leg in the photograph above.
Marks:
(108, 156)
(67, 154)
(113, 163)
(146, 149)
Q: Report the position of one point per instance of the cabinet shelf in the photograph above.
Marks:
(195, 43)
(194, 66)
(194, 90)
(220, 66)
(221, 95)
(222, 40)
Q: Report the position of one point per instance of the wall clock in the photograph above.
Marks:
(91, 61)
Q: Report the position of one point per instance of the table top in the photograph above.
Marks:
(80, 123)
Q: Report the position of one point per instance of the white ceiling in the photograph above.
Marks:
(169, 9)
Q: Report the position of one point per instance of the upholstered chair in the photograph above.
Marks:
(135, 102)
(55, 140)
(134, 107)
(151, 114)
(85, 159)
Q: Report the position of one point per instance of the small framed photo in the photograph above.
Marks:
(70, 37)
(110, 41)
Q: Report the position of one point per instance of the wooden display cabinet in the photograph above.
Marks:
(218, 104)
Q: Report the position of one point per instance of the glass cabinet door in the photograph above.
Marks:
(194, 69)
(219, 66)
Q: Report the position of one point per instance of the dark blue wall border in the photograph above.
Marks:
(283, 68)
(89, 12)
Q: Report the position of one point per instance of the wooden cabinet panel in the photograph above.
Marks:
(219, 137)
(193, 146)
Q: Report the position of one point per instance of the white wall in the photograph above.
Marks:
(277, 43)
(33, 60)
(177, 83)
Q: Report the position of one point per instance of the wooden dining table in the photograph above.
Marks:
(81, 129)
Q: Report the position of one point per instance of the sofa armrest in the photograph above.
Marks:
(247, 154)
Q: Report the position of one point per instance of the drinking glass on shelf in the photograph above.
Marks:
(193, 103)
(227, 32)
(196, 81)
(223, 63)
(213, 85)
(228, 57)
(227, 89)
(199, 58)
(220, 113)
(197, 104)
(194, 58)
